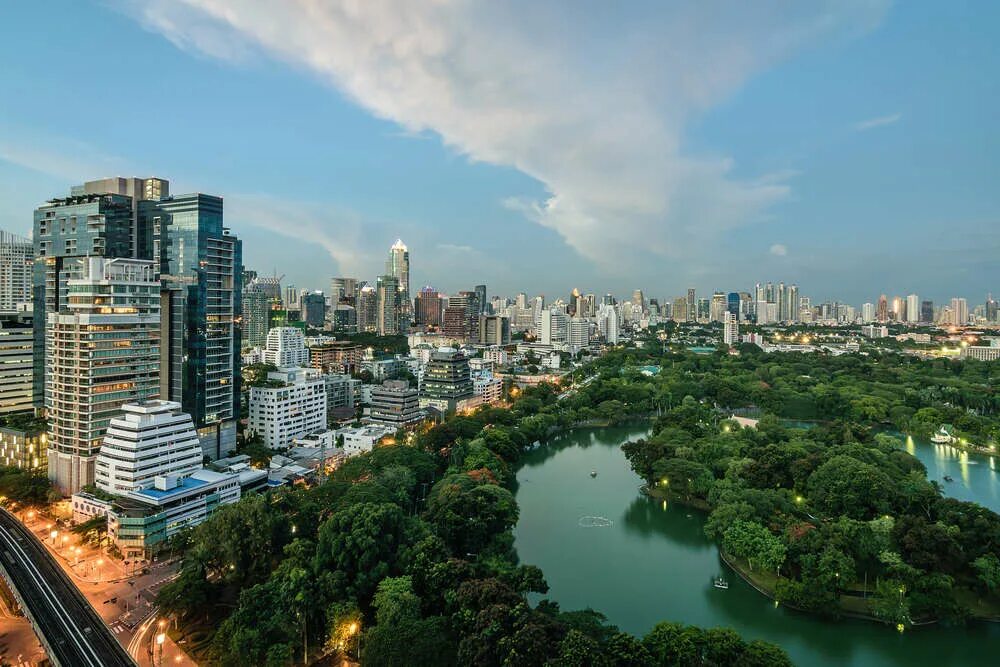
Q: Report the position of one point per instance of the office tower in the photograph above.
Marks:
(65, 232)
(255, 315)
(608, 325)
(271, 285)
(200, 266)
(388, 314)
(102, 350)
(792, 296)
(607, 300)
(367, 309)
(395, 403)
(868, 312)
(717, 307)
(484, 307)
(733, 303)
(692, 305)
(494, 330)
(521, 301)
(23, 446)
(882, 310)
(927, 311)
(472, 310)
(16, 362)
(780, 298)
(730, 329)
(447, 380)
(429, 307)
(314, 309)
(291, 299)
(992, 309)
(897, 309)
(959, 312)
(704, 306)
(554, 325)
(913, 308)
(286, 348)
(17, 258)
(679, 312)
(147, 440)
(344, 290)
(398, 266)
(638, 300)
(454, 320)
(589, 305)
(578, 333)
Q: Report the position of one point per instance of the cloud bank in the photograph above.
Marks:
(591, 102)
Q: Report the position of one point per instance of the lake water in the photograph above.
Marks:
(652, 561)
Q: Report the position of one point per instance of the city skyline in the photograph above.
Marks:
(842, 186)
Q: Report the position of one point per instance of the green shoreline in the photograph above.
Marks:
(762, 581)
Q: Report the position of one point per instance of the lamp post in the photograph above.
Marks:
(54, 534)
(160, 638)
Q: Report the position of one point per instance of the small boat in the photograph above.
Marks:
(593, 473)
(949, 478)
(719, 582)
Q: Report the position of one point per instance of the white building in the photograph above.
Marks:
(578, 333)
(730, 329)
(17, 259)
(358, 440)
(280, 414)
(608, 324)
(496, 354)
(868, 312)
(286, 347)
(959, 312)
(488, 388)
(150, 439)
(913, 308)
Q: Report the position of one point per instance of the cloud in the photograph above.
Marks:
(880, 121)
(60, 157)
(593, 104)
(779, 249)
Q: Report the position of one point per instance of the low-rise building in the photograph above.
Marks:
(293, 407)
(24, 446)
(357, 440)
(488, 388)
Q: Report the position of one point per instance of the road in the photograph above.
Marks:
(74, 635)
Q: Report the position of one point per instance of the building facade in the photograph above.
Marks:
(17, 259)
(17, 362)
(280, 414)
(395, 403)
(286, 347)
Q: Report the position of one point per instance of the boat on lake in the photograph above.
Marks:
(943, 436)
(593, 473)
(719, 582)
(948, 478)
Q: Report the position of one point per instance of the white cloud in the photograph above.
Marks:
(591, 104)
(779, 249)
(60, 157)
(879, 121)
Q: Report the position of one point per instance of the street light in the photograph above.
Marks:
(160, 638)
(54, 534)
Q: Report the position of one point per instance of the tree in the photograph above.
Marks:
(844, 485)
(755, 543)
(467, 514)
(684, 477)
(578, 650)
(988, 571)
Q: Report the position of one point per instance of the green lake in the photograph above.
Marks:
(650, 561)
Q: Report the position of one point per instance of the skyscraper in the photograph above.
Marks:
(16, 362)
(484, 306)
(717, 307)
(730, 329)
(344, 290)
(102, 350)
(367, 309)
(692, 305)
(913, 308)
(255, 311)
(927, 311)
(959, 312)
(200, 265)
(398, 266)
(388, 313)
(429, 307)
(882, 311)
(314, 309)
(733, 303)
(792, 296)
(17, 257)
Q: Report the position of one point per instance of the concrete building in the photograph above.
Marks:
(388, 313)
(608, 324)
(24, 445)
(395, 403)
(17, 260)
(578, 333)
(989, 352)
(255, 316)
(314, 309)
(336, 356)
(150, 439)
(16, 362)
(397, 265)
(959, 312)
(367, 309)
(102, 351)
(447, 381)
(429, 308)
(494, 330)
(730, 329)
(343, 395)
(297, 406)
(497, 355)
(488, 388)
(286, 347)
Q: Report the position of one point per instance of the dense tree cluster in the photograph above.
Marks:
(833, 506)
(25, 486)
(405, 554)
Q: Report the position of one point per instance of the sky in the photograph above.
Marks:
(849, 146)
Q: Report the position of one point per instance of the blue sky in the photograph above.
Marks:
(848, 146)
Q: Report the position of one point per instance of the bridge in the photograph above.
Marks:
(68, 627)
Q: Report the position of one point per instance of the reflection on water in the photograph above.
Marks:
(974, 476)
(654, 563)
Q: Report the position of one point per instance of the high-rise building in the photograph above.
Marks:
(578, 333)
(398, 266)
(679, 313)
(429, 308)
(717, 307)
(913, 308)
(638, 300)
(102, 350)
(314, 309)
(295, 407)
(692, 305)
(286, 348)
(553, 326)
(733, 303)
(927, 311)
(882, 311)
(388, 315)
(484, 305)
(704, 306)
(147, 440)
(344, 290)
(991, 309)
(66, 231)
(395, 403)
(608, 324)
(959, 312)
(200, 266)
(255, 315)
(730, 329)
(16, 362)
(367, 309)
(794, 306)
(868, 312)
(291, 297)
(17, 259)
(494, 330)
